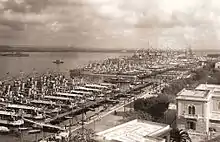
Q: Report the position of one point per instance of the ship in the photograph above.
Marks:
(58, 62)
(15, 54)
(10, 119)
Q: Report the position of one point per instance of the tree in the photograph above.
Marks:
(87, 136)
(180, 136)
(154, 107)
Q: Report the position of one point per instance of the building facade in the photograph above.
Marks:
(198, 111)
(217, 65)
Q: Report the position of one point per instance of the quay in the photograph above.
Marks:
(107, 75)
(44, 125)
(74, 111)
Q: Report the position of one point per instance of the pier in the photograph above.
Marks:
(74, 111)
(43, 125)
(108, 75)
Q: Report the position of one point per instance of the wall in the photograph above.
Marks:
(217, 65)
(215, 108)
(215, 104)
(183, 108)
(165, 137)
(216, 126)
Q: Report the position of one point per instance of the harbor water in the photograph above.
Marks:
(41, 62)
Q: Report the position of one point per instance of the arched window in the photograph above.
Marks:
(193, 110)
(189, 109)
(218, 105)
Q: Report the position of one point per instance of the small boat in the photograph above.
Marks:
(22, 129)
(58, 62)
(56, 110)
(39, 117)
(35, 117)
(68, 117)
(34, 131)
(4, 129)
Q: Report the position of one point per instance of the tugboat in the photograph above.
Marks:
(15, 54)
(58, 62)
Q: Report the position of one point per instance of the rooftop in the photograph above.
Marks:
(26, 107)
(135, 131)
(196, 95)
(201, 93)
(207, 87)
(193, 93)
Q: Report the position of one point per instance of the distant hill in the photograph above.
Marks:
(4, 48)
(207, 50)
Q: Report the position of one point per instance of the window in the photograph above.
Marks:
(218, 105)
(191, 125)
(189, 109)
(192, 110)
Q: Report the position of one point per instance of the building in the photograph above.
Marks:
(137, 131)
(198, 111)
(217, 65)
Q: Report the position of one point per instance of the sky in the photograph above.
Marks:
(127, 24)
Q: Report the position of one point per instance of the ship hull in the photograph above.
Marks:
(12, 55)
(11, 123)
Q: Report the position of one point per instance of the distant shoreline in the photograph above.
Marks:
(56, 49)
(5, 48)
(61, 51)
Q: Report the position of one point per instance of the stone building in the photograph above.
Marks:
(198, 111)
(217, 65)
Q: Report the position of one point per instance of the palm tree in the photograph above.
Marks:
(180, 136)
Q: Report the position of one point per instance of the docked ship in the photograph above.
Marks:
(10, 119)
(15, 54)
(26, 111)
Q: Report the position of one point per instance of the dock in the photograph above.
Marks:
(44, 125)
(107, 75)
(62, 115)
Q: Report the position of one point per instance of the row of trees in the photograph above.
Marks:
(153, 107)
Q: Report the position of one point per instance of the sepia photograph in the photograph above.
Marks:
(109, 70)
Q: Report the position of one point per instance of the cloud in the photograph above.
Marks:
(101, 22)
(25, 6)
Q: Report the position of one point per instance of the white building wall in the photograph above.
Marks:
(207, 115)
(183, 108)
(217, 65)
